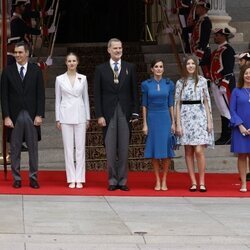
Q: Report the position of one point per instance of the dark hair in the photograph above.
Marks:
(24, 44)
(243, 69)
(153, 62)
(185, 72)
(72, 54)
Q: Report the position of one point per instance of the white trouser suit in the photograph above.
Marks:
(74, 134)
(72, 111)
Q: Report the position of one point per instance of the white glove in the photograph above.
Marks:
(49, 61)
(223, 90)
(52, 29)
(50, 12)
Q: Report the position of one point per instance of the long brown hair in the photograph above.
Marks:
(185, 73)
(243, 69)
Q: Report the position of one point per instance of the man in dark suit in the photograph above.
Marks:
(116, 107)
(23, 104)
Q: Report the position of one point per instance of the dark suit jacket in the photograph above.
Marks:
(107, 94)
(27, 95)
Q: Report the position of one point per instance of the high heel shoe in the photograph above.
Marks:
(164, 187)
(79, 185)
(72, 185)
(243, 190)
(203, 188)
(157, 187)
(193, 187)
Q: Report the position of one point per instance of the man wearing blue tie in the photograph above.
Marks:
(116, 107)
(23, 104)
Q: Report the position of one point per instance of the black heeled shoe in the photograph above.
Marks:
(193, 188)
(203, 188)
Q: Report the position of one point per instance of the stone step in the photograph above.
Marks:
(166, 48)
(54, 139)
(53, 71)
(54, 159)
(135, 151)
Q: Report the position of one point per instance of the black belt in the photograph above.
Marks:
(191, 102)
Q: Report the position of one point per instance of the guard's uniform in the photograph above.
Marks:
(184, 7)
(19, 28)
(200, 43)
(223, 82)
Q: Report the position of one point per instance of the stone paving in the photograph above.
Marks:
(79, 223)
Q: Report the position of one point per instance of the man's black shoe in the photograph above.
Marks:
(17, 184)
(112, 188)
(248, 176)
(123, 188)
(24, 148)
(34, 184)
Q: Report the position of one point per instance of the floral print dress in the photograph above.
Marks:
(193, 117)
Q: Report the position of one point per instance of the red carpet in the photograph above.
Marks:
(141, 184)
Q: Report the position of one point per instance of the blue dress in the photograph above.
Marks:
(240, 114)
(158, 97)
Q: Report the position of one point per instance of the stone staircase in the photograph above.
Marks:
(51, 149)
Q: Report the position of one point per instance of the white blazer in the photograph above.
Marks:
(72, 102)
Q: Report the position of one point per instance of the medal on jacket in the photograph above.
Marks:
(116, 80)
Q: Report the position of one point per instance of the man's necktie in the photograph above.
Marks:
(116, 73)
(116, 67)
(21, 72)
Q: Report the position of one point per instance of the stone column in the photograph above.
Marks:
(219, 16)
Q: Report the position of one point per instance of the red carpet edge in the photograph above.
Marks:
(140, 183)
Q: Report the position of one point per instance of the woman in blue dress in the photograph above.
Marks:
(240, 121)
(158, 121)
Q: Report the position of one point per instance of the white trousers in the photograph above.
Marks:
(221, 101)
(74, 135)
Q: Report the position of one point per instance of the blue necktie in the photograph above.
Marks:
(116, 67)
(21, 72)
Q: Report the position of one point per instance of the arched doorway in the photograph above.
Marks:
(99, 20)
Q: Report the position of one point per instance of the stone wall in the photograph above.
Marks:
(238, 9)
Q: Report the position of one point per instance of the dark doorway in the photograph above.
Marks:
(99, 20)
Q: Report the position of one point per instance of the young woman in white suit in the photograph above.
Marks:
(72, 118)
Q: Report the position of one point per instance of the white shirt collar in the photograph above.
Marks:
(25, 67)
(112, 62)
(222, 44)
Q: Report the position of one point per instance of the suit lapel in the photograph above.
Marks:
(17, 78)
(26, 79)
(110, 74)
(123, 73)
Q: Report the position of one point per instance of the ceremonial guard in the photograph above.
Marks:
(184, 7)
(223, 80)
(18, 26)
(201, 35)
(244, 58)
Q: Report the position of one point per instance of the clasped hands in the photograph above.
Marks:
(243, 130)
